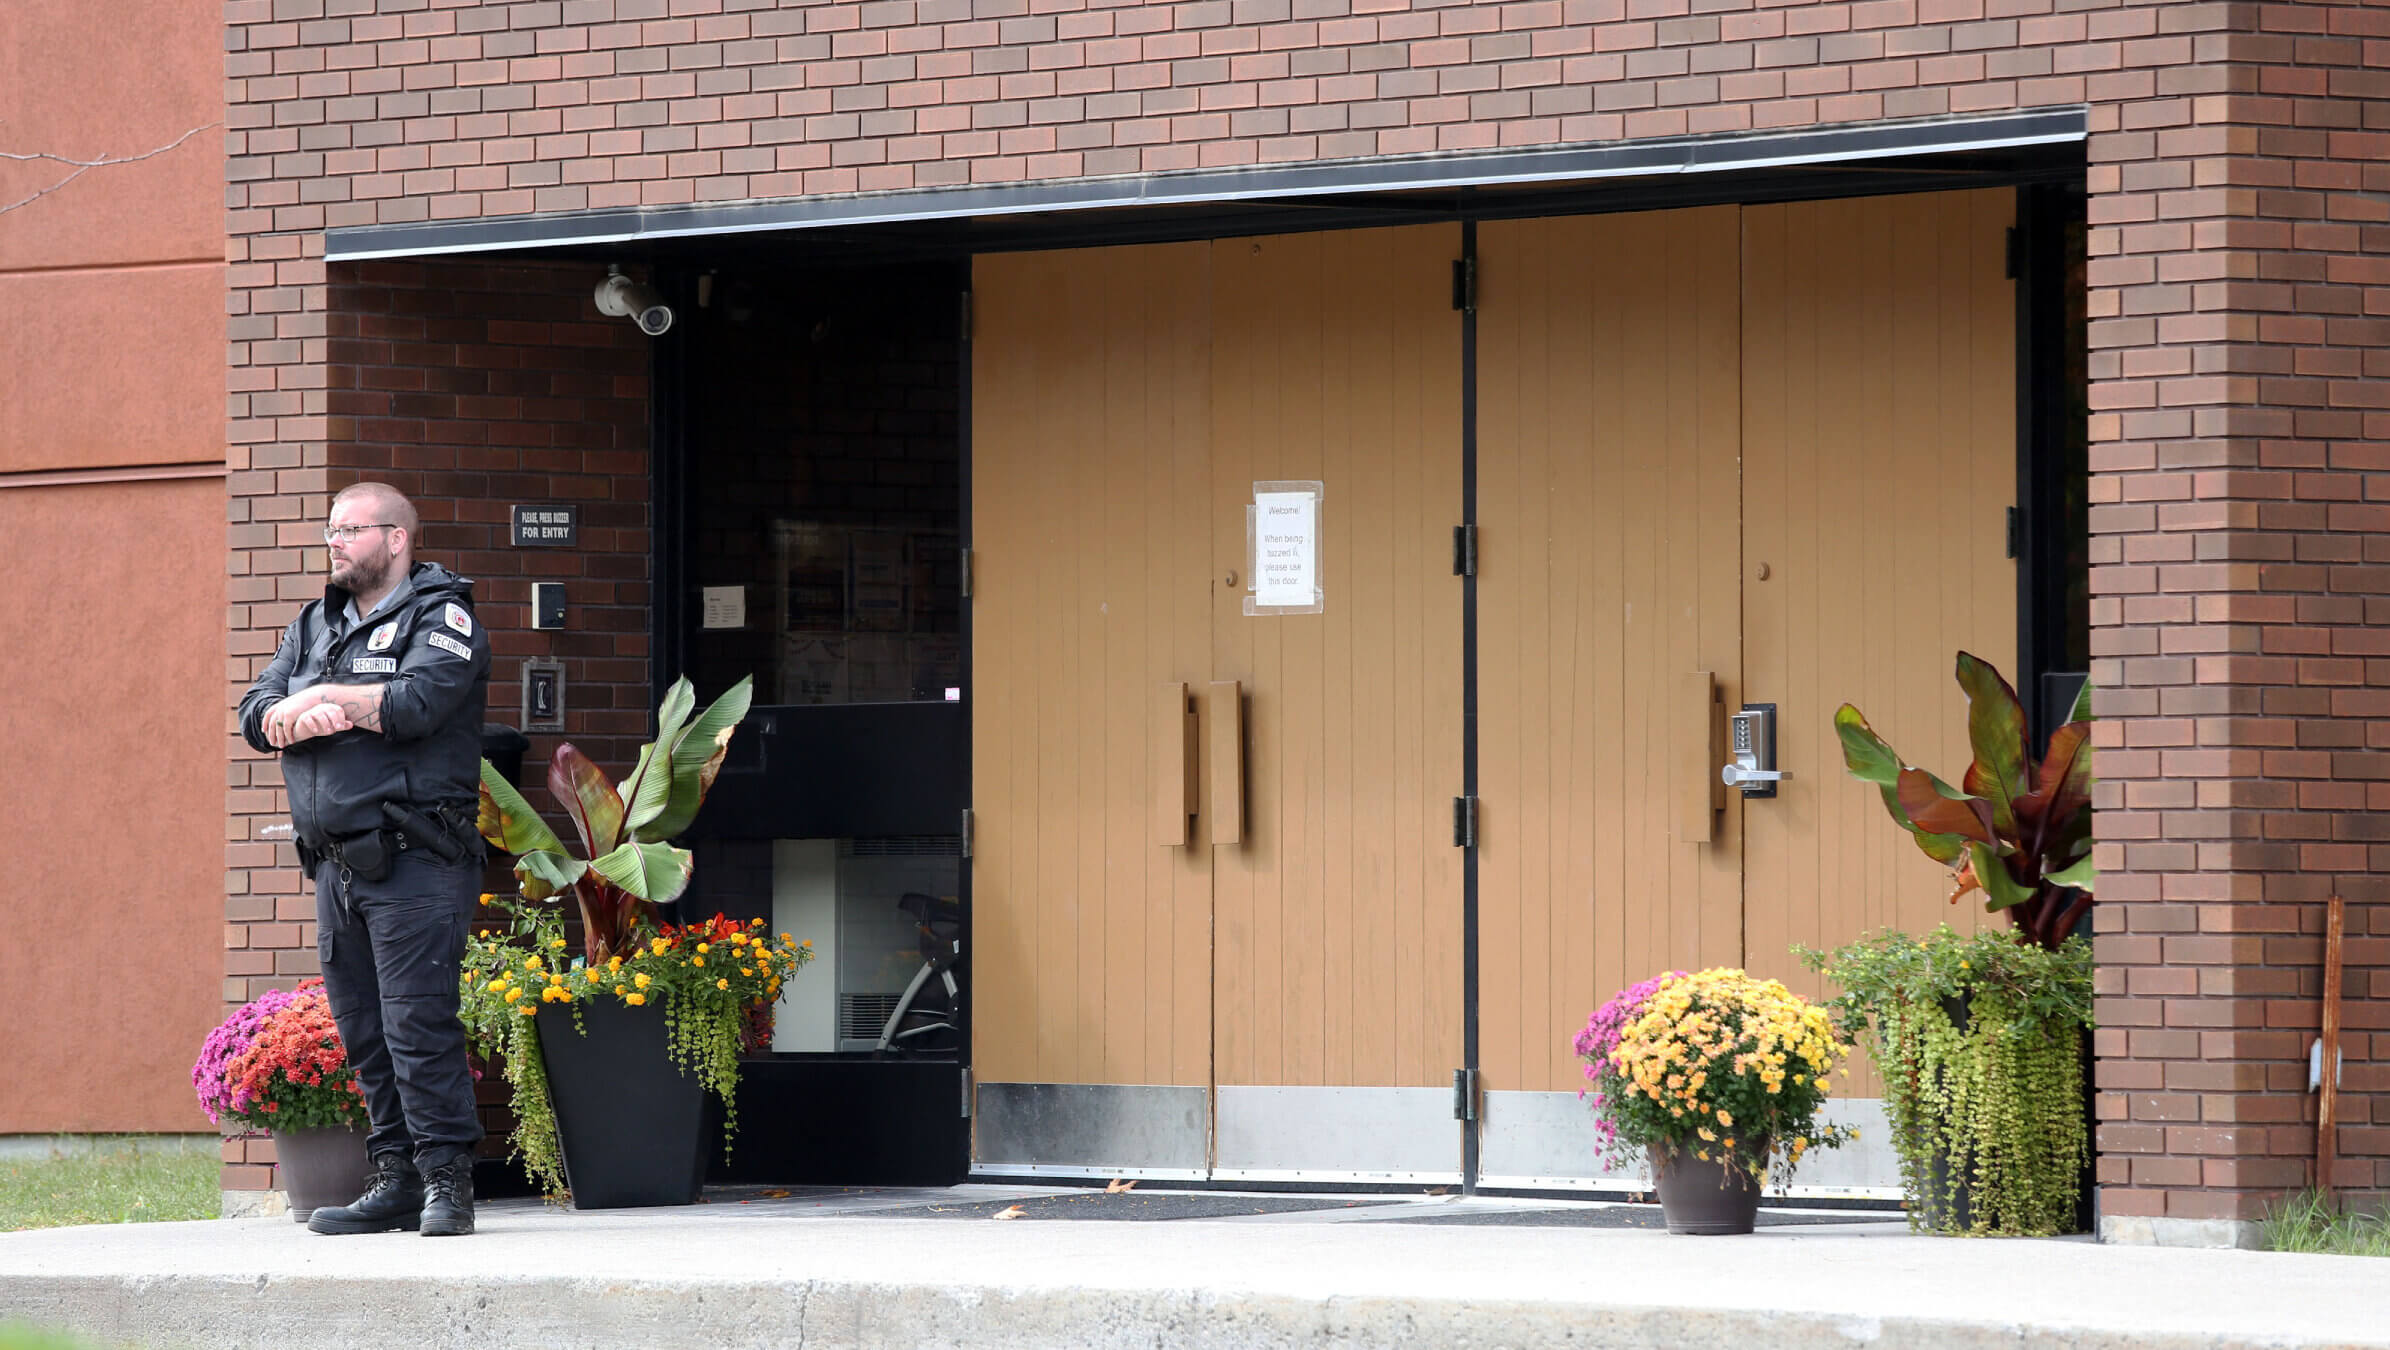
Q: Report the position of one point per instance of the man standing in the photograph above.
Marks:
(374, 701)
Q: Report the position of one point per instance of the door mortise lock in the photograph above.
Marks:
(1753, 768)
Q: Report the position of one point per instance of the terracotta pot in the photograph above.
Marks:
(1702, 1197)
(320, 1167)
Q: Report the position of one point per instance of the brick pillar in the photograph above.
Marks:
(467, 386)
(2240, 283)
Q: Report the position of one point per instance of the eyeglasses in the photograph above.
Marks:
(341, 534)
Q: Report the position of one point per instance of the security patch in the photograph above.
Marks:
(382, 637)
(374, 665)
(450, 645)
(459, 620)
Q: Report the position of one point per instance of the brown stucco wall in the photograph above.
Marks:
(2239, 348)
(111, 374)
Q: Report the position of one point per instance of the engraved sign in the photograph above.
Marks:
(545, 526)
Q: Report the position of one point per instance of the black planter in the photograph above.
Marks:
(1701, 1197)
(631, 1124)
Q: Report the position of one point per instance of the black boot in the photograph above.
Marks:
(393, 1199)
(448, 1196)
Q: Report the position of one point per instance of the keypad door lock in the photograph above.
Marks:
(1753, 768)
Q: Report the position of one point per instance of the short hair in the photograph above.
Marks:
(393, 503)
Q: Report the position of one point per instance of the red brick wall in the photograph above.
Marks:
(469, 387)
(2236, 292)
(2240, 282)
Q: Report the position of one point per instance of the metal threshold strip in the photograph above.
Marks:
(1549, 164)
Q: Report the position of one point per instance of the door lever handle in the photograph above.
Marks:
(1735, 775)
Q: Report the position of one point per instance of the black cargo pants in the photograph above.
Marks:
(390, 957)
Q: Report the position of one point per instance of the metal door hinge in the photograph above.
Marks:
(967, 824)
(1464, 284)
(966, 566)
(1464, 1094)
(1464, 550)
(2014, 264)
(1464, 822)
(2016, 533)
(966, 1092)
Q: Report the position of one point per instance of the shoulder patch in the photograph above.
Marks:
(382, 637)
(374, 665)
(458, 619)
(450, 645)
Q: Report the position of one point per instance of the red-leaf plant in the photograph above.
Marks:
(631, 866)
(2018, 828)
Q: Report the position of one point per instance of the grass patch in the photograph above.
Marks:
(16, 1336)
(113, 1186)
(2307, 1222)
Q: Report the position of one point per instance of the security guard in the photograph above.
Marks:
(375, 700)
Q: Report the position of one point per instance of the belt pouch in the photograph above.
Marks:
(366, 856)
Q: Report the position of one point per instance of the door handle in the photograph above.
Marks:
(1700, 718)
(1224, 760)
(1174, 765)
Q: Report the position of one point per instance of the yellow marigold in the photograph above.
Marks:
(659, 945)
(556, 942)
(486, 897)
(513, 994)
(697, 960)
(807, 944)
(642, 979)
(528, 1011)
(705, 946)
(746, 970)
(634, 999)
(530, 963)
(613, 963)
(721, 984)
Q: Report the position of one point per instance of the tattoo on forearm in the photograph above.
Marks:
(361, 710)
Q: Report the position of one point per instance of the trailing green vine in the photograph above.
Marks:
(1980, 1042)
(713, 982)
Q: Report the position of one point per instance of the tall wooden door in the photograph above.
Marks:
(1091, 585)
(1880, 452)
(1755, 455)
(1216, 901)
(1337, 1014)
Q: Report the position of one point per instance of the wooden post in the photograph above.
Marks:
(2327, 1112)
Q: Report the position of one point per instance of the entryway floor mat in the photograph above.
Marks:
(1131, 1206)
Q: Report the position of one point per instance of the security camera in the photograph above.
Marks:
(622, 297)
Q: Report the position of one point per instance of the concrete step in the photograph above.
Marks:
(920, 1270)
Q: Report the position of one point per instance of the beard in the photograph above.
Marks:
(359, 575)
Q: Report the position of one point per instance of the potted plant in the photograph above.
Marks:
(610, 1053)
(277, 1064)
(1716, 1079)
(1980, 1038)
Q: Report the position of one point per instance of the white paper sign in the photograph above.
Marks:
(1286, 548)
(725, 606)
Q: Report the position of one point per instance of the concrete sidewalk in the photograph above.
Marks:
(927, 1269)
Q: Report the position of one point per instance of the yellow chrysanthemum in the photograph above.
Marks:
(697, 960)
(634, 999)
(721, 984)
(513, 994)
(642, 979)
(705, 946)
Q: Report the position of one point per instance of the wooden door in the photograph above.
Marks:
(1337, 1013)
(1772, 445)
(1879, 464)
(1609, 421)
(1305, 1020)
(1090, 587)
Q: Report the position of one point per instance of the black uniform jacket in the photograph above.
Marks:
(431, 650)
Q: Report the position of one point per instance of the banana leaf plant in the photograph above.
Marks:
(2016, 828)
(629, 865)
